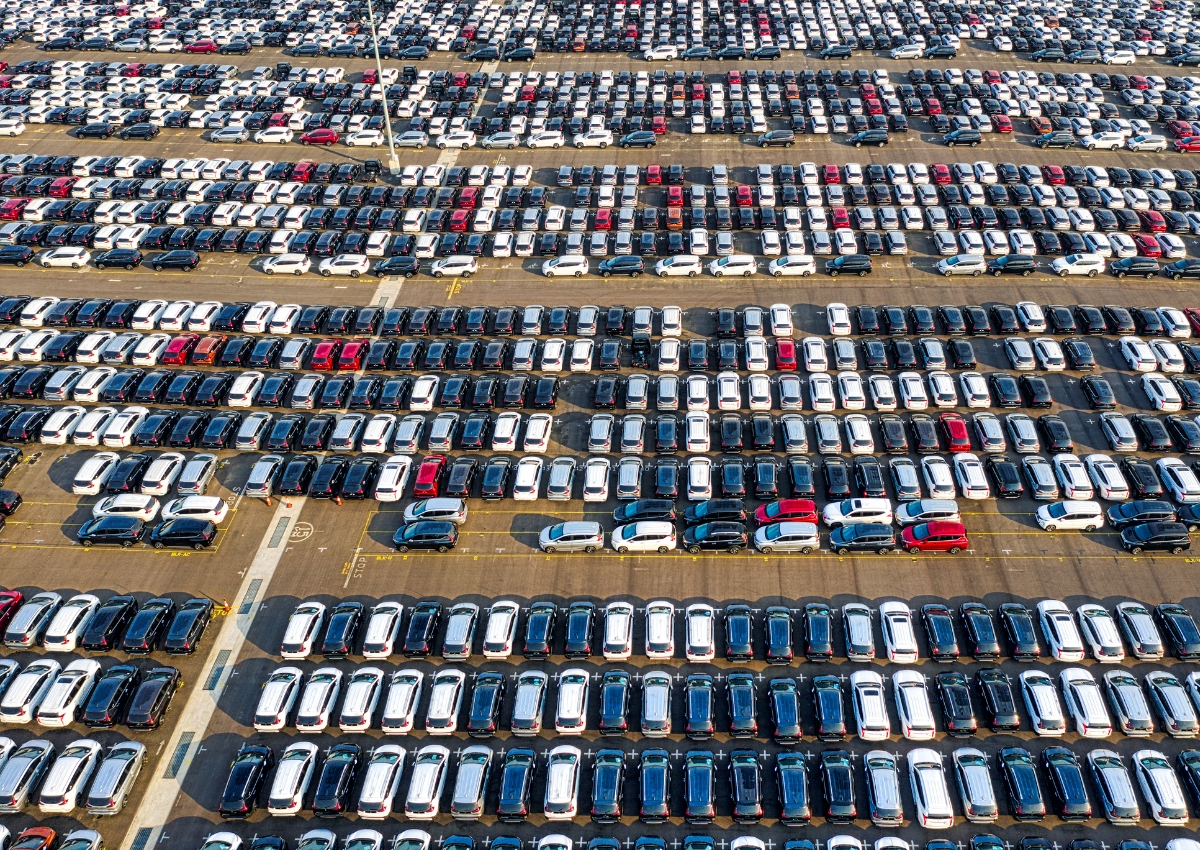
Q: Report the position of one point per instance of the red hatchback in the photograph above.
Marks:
(208, 349)
(10, 601)
(350, 360)
(61, 187)
(204, 45)
(932, 105)
(429, 473)
(744, 197)
(674, 196)
(873, 106)
(654, 175)
(935, 537)
(1192, 143)
(840, 217)
(603, 220)
(785, 355)
(1002, 124)
(1152, 220)
(831, 174)
(459, 220)
(468, 197)
(954, 429)
(1147, 245)
(320, 136)
(11, 209)
(325, 355)
(1180, 129)
(786, 510)
(303, 171)
(1193, 315)
(658, 124)
(177, 350)
(939, 173)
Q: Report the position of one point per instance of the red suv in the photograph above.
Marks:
(786, 510)
(204, 45)
(325, 355)
(320, 136)
(935, 537)
(350, 360)
(785, 355)
(177, 350)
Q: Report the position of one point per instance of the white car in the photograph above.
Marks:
(1138, 355)
(463, 139)
(816, 358)
(1163, 395)
(296, 264)
(1060, 631)
(1107, 477)
(1179, 479)
(781, 319)
(837, 315)
(1078, 264)
(274, 135)
(734, 264)
(365, 138)
(143, 507)
(1031, 316)
(73, 258)
(899, 636)
(644, 536)
(546, 139)
(302, 629)
(568, 265)
(94, 473)
(212, 508)
(912, 391)
(351, 265)
(594, 138)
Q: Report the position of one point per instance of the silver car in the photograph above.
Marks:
(198, 471)
(115, 778)
(1023, 433)
(575, 536)
(561, 479)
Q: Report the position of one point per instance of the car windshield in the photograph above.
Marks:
(557, 531)
(1057, 510)
(921, 532)
(774, 532)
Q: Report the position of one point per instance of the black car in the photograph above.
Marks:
(1019, 629)
(142, 131)
(877, 137)
(861, 537)
(818, 632)
(336, 779)
(578, 639)
(837, 780)
(340, 635)
(650, 509)
(99, 130)
(629, 265)
(639, 139)
(186, 260)
(152, 699)
(108, 623)
(121, 531)
(980, 630)
(829, 708)
(516, 782)
(245, 781)
(859, 264)
(1156, 536)
(441, 536)
(114, 689)
(188, 626)
(539, 629)
(147, 627)
(422, 626)
(486, 700)
(184, 532)
(954, 694)
(998, 701)
(1068, 789)
(728, 536)
(939, 631)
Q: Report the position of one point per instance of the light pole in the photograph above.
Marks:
(393, 161)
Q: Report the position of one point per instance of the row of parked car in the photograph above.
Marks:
(587, 629)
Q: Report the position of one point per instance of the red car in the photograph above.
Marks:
(932, 106)
(36, 838)
(744, 197)
(1193, 315)
(459, 220)
(1152, 220)
(867, 90)
(61, 187)
(133, 69)
(674, 218)
(370, 77)
(658, 124)
(279, 119)
(939, 173)
(1137, 81)
(1040, 126)
(350, 360)
(527, 93)
(1180, 129)
(954, 428)
(935, 537)
(785, 355)
(991, 77)
(460, 78)
(320, 136)
(468, 198)
(831, 174)
(733, 77)
(303, 171)
(1001, 124)
(698, 92)
(674, 196)
(1191, 143)
(11, 209)
(840, 217)
(208, 349)
(873, 106)
(654, 175)
(429, 473)
(10, 601)
(1053, 174)
(603, 220)
(204, 45)
(177, 350)
(1147, 245)
(325, 354)
(786, 510)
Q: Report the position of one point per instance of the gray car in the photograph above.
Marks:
(263, 475)
(1022, 432)
(561, 479)
(577, 536)
(198, 471)
(989, 432)
(1043, 486)
(1118, 432)
(115, 778)
(412, 139)
(1020, 354)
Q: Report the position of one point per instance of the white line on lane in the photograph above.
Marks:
(164, 786)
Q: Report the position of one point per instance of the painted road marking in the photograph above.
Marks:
(162, 792)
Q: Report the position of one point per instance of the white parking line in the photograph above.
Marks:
(164, 786)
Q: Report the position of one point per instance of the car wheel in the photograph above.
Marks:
(1092, 273)
(623, 550)
(843, 551)
(1051, 527)
(1136, 550)
(156, 268)
(1176, 276)
(694, 550)
(100, 266)
(556, 146)
(589, 550)
(858, 144)
(401, 548)
(733, 550)
(974, 144)
(125, 544)
(862, 274)
(662, 550)
(1176, 550)
(625, 147)
(197, 546)
(86, 544)
(578, 274)
(326, 273)
(766, 550)
(407, 275)
(833, 274)
(443, 549)
(437, 274)
(1090, 528)
(605, 274)
(913, 550)
(158, 544)
(1121, 275)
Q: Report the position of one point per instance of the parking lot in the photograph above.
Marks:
(297, 548)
